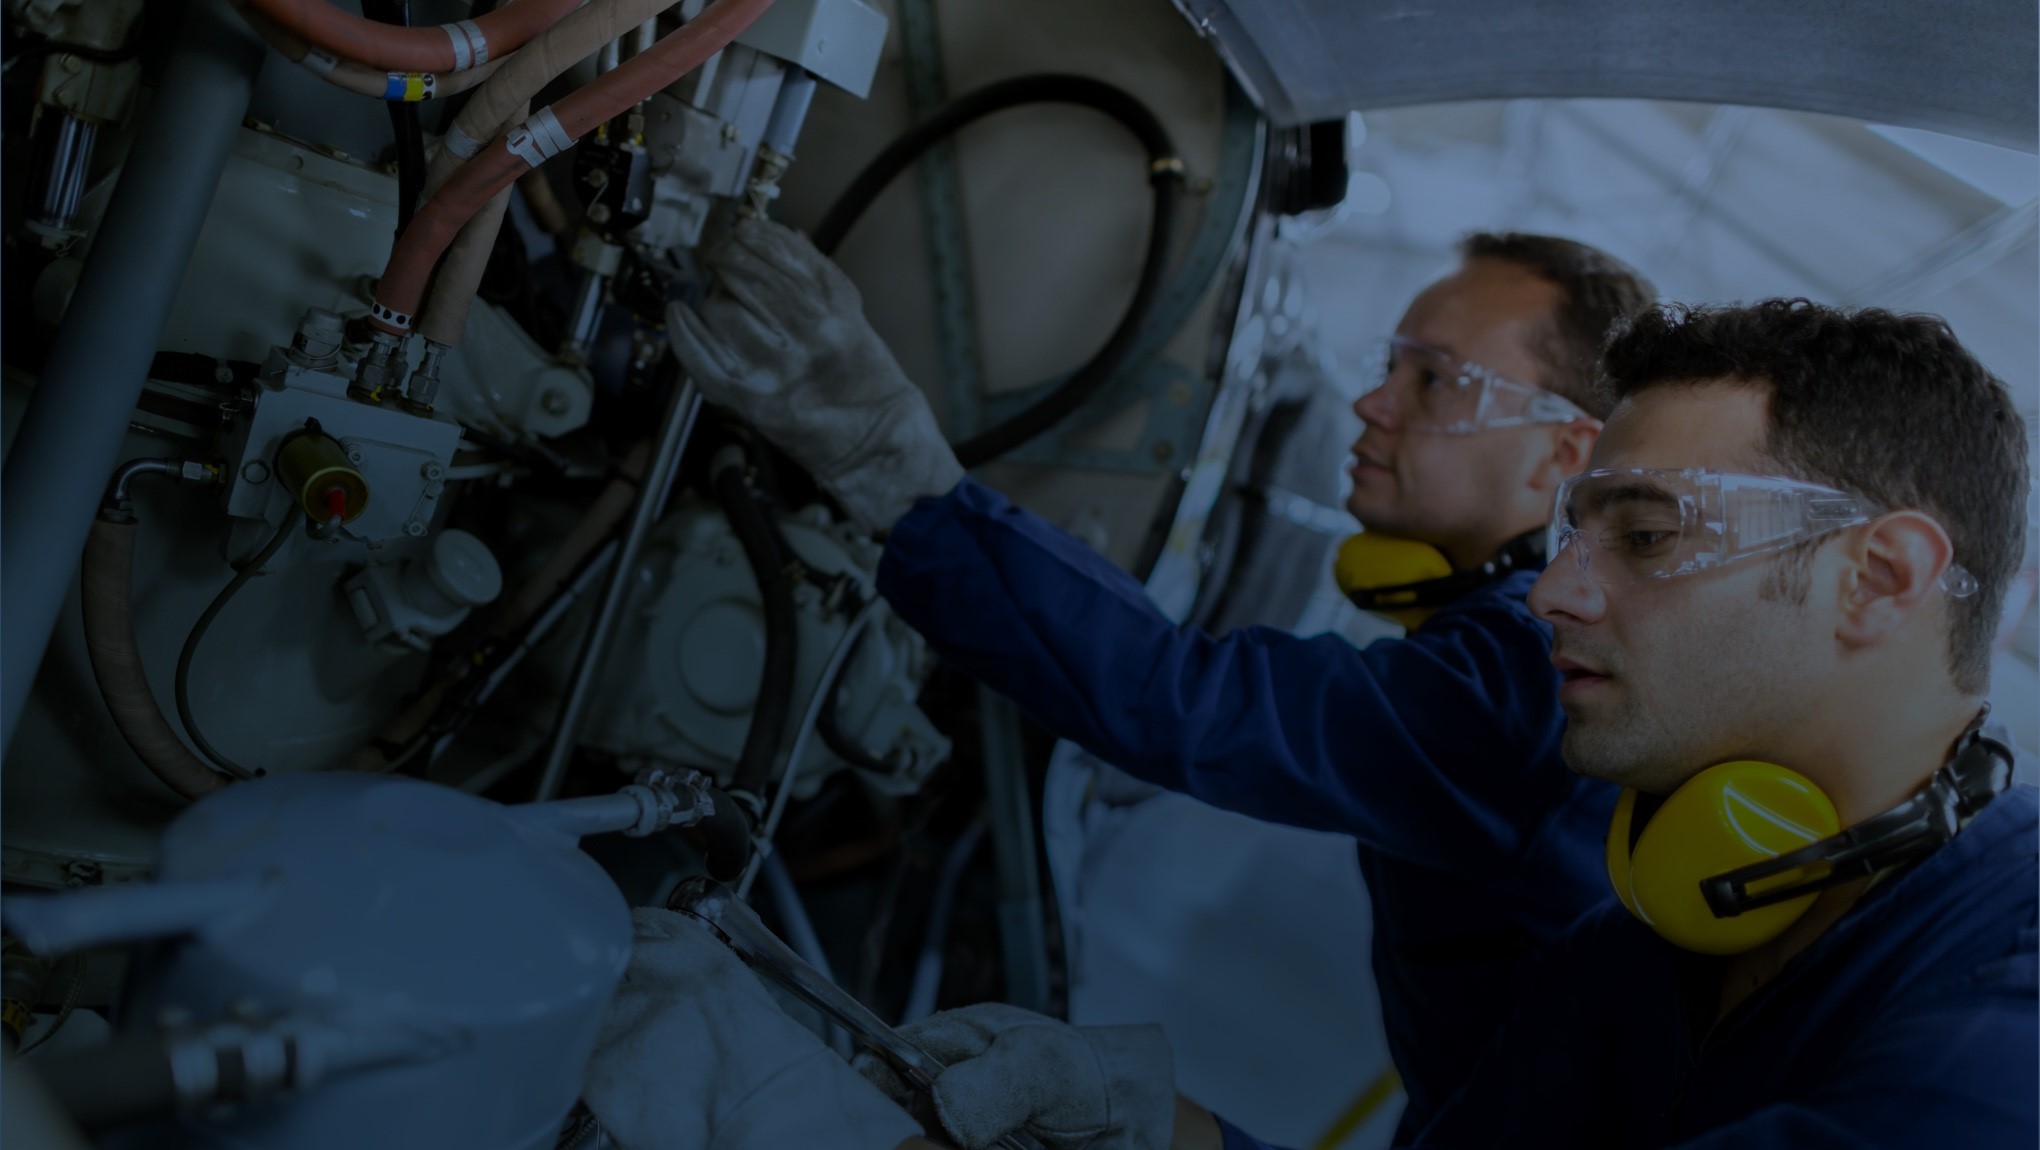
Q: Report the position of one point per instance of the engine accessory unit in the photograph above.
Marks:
(681, 689)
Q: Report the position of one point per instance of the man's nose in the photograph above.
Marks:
(1565, 591)
(1377, 407)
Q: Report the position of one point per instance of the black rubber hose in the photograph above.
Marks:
(752, 524)
(1165, 173)
(205, 620)
(404, 122)
(724, 838)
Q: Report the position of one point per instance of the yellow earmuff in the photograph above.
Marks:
(1728, 816)
(1370, 560)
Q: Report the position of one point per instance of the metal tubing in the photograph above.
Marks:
(71, 435)
(674, 429)
(1023, 938)
(67, 155)
(790, 110)
(579, 818)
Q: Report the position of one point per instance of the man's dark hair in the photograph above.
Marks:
(1598, 289)
(1887, 407)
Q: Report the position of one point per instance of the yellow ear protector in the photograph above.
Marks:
(1407, 580)
(1733, 857)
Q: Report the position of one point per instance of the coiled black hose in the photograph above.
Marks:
(1165, 174)
(752, 524)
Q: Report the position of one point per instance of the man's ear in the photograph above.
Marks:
(1571, 446)
(1893, 570)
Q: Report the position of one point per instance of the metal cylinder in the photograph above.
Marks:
(313, 464)
(63, 157)
(71, 435)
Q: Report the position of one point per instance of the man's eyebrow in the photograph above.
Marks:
(1601, 498)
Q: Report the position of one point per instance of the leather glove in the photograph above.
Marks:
(1071, 1087)
(695, 1055)
(782, 341)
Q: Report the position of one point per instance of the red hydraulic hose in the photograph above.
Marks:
(546, 134)
(446, 48)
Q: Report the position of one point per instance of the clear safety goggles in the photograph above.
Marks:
(1431, 391)
(1628, 525)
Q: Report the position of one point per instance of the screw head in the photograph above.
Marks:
(598, 213)
(555, 401)
(414, 528)
(354, 455)
(432, 470)
(255, 471)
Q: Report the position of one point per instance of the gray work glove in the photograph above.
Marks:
(1071, 1087)
(695, 1055)
(782, 341)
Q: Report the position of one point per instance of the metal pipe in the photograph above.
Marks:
(66, 156)
(1023, 939)
(674, 429)
(928, 967)
(824, 684)
(789, 110)
(70, 437)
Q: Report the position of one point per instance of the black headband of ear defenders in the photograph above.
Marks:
(1977, 771)
(1523, 553)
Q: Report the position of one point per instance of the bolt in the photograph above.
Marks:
(598, 213)
(244, 1009)
(223, 374)
(433, 488)
(414, 528)
(555, 401)
(432, 470)
(255, 471)
(354, 455)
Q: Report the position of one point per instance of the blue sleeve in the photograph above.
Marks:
(1955, 1070)
(1437, 749)
(1233, 1138)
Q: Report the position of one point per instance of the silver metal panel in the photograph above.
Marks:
(1957, 66)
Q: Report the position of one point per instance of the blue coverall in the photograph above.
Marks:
(1912, 1022)
(1438, 753)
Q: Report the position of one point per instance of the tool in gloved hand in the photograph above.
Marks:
(916, 1070)
(1072, 1087)
(784, 344)
(694, 1054)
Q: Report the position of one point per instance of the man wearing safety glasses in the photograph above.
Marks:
(1438, 752)
(1773, 599)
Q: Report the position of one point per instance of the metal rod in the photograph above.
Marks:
(66, 158)
(71, 435)
(823, 686)
(1009, 810)
(674, 429)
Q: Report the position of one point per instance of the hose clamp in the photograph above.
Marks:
(539, 139)
(470, 46)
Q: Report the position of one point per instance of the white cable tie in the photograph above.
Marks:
(318, 63)
(540, 138)
(460, 143)
(470, 47)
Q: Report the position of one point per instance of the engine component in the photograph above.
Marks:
(388, 464)
(455, 954)
(90, 74)
(683, 689)
(416, 601)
